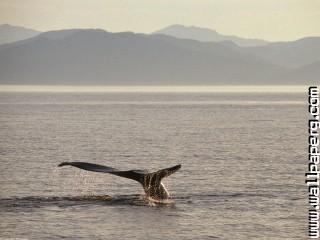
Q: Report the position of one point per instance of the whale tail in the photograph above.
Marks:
(151, 182)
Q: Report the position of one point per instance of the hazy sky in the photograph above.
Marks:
(265, 19)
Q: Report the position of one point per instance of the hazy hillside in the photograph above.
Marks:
(310, 72)
(206, 35)
(10, 33)
(290, 54)
(98, 57)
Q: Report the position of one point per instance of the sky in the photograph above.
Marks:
(272, 20)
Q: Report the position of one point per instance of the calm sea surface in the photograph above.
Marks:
(243, 159)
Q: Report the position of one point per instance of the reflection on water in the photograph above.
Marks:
(19, 204)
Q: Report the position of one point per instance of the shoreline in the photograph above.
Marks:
(157, 89)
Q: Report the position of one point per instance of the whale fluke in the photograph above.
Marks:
(151, 182)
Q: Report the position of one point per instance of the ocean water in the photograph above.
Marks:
(243, 159)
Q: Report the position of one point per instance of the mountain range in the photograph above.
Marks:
(9, 33)
(95, 56)
(207, 35)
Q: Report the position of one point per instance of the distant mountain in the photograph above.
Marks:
(94, 56)
(310, 71)
(293, 54)
(10, 33)
(207, 35)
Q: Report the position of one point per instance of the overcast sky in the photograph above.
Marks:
(266, 19)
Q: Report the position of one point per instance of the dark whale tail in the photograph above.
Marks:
(151, 182)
